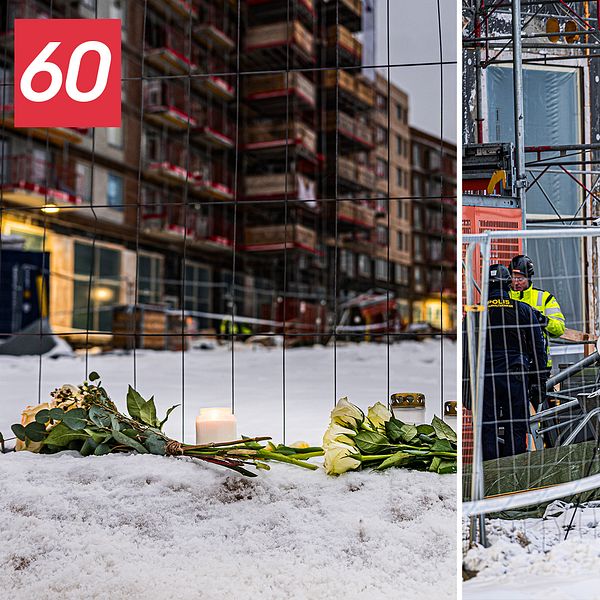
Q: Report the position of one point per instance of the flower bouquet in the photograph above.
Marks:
(380, 440)
(86, 420)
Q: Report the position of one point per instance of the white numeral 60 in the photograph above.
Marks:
(40, 65)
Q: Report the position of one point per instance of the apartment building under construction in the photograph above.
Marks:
(251, 181)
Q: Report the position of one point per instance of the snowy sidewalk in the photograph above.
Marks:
(128, 527)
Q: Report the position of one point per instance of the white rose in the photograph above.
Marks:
(339, 459)
(347, 415)
(379, 414)
(28, 416)
(337, 433)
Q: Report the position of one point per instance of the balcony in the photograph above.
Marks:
(167, 222)
(212, 185)
(216, 29)
(267, 11)
(184, 8)
(355, 214)
(212, 84)
(352, 132)
(273, 89)
(213, 232)
(353, 175)
(275, 41)
(269, 238)
(215, 129)
(163, 102)
(166, 172)
(269, 134)
(354, 93)
(345, 12)
(275, 187)
(56, 135)
(32, 182)
(168, 60)
(350, 49)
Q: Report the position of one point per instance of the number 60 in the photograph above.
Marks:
(40, 65)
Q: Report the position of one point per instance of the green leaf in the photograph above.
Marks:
(134, 403)
(443, 430)
(19, 431)
(35, 431)
(426, 438)
(408, 432)
(371, 442)
(395, 460)
(121, 438)
(61, 435)
(425, 429)
(148, 413)
(93, 376)
(88, 448)
(57, 414)
(102, 449)
(114, 424)
(43, 416)
(447, 466)
(97, 436)
(160, 425)
(155, 444)
(393, 429)
(435, 463)
(76, 419)
(442, 446)
(99, 417)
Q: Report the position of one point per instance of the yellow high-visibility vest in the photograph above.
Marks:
(544, 302)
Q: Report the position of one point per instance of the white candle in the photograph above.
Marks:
(450, 415)
(215, 425)
(409, 407)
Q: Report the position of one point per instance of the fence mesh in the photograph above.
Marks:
(530, 386)
(265, 189)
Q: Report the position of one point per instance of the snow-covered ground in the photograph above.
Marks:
(529, 559)
(362, 375)
(145, 526)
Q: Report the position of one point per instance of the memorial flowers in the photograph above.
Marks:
(86, 420)
(380, 440)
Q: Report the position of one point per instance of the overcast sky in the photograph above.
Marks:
(413, 32)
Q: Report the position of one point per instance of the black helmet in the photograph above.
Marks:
(523, 265)
(499, 276)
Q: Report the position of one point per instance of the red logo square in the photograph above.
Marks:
(67, 73)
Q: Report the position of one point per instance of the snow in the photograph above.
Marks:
(144, 526)
(530, 559)
(362, 375)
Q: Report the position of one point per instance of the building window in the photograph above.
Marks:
(114, 191)
(381, 270)
(382, 235)
(104, 267)
(114, 136)
(400, 240)
(364, 265)
(416, 156)
(347, 263)
(417, 188)
(381, 136)
(400, 179)
(150, 270)
(197, 288)
(83, 181)
(418, 249)
(381, 102)
(399, 145)
(401, 274)
(381, 168)
(401, 113)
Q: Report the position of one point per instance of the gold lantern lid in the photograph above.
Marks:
(450, 408)
(408, 400)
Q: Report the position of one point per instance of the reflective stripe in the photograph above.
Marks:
(553, 311)
(540, 300)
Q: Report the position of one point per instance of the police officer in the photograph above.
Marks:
(515, 354)
(549, 312)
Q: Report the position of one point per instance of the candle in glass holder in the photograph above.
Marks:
(450, 414)
(215, 425)
(409, 407)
